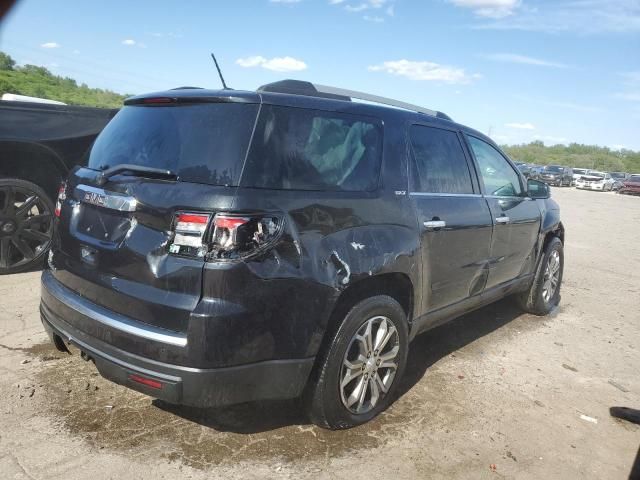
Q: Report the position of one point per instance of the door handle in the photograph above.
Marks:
(433, 224)
(504, 219)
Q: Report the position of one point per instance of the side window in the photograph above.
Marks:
(439, 162)
(498, 176)
(302, 149)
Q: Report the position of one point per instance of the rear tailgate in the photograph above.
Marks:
(114, 240)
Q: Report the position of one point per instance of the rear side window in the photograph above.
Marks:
(301, 149)
(204, 143)
(440, 164)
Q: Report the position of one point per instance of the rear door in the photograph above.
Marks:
(516, 218)
(135, 244)
(454, 219)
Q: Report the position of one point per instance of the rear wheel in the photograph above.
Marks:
(26, 225)
(360, 369)
(544, 293)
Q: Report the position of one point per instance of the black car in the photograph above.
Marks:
(39, 144)
(527, 171)
(556, 175)
(229, 246)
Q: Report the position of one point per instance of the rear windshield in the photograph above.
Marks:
(204, 143)
(553, 168)
(301, 149)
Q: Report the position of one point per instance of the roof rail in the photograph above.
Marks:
(298, 87)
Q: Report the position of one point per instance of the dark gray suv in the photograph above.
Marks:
(225, 246)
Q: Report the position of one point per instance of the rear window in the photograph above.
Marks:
(301, 149)
(204, 143)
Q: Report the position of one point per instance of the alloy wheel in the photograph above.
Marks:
(369, 365)
(26, 226)
(551, 276)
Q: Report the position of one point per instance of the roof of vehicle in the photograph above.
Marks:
(297, 94)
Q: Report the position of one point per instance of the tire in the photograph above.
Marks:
(327, 402)
(26, 225)
(537, 300)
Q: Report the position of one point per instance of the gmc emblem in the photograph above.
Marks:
(94, 198)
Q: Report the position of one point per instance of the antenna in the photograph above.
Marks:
(219, 72)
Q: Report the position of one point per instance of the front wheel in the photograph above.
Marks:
(360, 369)
(544, 293)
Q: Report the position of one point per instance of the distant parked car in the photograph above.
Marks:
(595, 180)
(618, 178)
(577, 173)
(556, 175)
(527, 171)
(631, 185)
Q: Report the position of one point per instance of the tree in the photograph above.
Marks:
(6, 62)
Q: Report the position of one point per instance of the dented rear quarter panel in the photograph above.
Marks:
(331, 241)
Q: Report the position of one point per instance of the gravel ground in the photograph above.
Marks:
(495, 393)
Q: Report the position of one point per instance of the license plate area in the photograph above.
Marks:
(103, 225)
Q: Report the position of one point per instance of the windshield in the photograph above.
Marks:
(204, 143)
(553, 169)
(595, 174)
(617, 174)
(579, 171)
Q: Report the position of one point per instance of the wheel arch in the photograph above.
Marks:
(33, 162)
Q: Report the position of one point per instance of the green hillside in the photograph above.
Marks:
(576, 155)
(40, 82)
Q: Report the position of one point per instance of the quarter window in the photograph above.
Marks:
(301, 149)
(439, 162)
(498, 176)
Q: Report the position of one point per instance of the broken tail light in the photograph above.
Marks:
(229, 236)
(238, 236)
(62, 196)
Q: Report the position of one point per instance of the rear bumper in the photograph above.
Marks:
(274, 379)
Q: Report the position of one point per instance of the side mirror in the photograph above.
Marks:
(538, 189)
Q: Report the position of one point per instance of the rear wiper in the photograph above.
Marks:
(136, 170)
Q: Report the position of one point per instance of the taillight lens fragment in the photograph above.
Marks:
(62, 196)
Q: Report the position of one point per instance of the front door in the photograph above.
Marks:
(516, 218)
(453, 217)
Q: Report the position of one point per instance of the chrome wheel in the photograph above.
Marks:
(369, 365)
(551, 276)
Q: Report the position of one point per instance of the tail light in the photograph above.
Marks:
(228, 237)
(62, 196)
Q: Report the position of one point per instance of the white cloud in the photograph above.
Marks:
(133, 43)
(362, 5)
(489, 8)
(357, 8)
(629, 96)
(425, 71)
(581, 16)
(520, 126)
(50, 45)
(522, 59)
(276, 64)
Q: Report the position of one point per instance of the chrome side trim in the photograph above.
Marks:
(105, 199)
(107, 317)
(462, 195)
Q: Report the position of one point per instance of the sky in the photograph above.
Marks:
(559, 71)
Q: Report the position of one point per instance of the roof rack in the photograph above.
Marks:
(298, 87)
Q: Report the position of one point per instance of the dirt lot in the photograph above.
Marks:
(493, 394)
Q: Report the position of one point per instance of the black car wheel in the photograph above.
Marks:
(359, 370)
(544, 293)
(26, 225)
